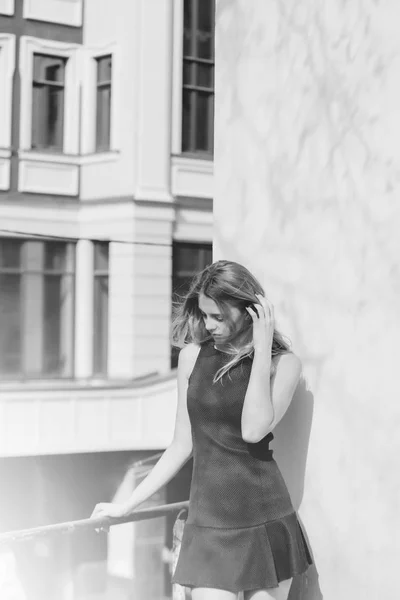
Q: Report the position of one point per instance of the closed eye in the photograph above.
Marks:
(216, 317)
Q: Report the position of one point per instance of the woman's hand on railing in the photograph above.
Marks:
(109, 509)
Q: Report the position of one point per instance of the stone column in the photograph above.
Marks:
(307, 165)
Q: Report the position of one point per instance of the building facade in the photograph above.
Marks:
(106, 188)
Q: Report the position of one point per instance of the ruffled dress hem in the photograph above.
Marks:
(248, 558)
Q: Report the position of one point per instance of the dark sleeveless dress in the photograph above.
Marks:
(242, 532)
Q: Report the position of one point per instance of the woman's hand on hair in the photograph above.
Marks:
(263, 325)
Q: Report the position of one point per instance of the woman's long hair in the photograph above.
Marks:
(229, 284)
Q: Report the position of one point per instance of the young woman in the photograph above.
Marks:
(236, 378)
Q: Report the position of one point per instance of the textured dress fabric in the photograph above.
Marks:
(242, 532)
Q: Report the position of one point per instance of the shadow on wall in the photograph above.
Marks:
(292, 436)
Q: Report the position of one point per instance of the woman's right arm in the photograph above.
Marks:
(174, 457)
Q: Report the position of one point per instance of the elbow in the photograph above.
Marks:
(253, 436)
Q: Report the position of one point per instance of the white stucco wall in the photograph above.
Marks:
(307, 167)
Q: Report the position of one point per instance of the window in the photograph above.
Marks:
(7, 67)
(198, 77)
(36, 308)
(103, 103)
(48, 102)
(187, 260)
(100, 312)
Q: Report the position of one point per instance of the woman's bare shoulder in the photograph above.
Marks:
(187, 357)
(289, 361)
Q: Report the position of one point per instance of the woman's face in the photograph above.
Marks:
(214, 320)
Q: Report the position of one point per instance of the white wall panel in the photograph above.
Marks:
(64, 12)
(48, 177)
(4, 170)
(53, 421)
(7, 7)
(192, 177)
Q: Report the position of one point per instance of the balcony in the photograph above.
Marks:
(87, 417)
(29, 569)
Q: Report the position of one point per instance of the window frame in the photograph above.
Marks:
(201, 264)
(103, 84)
(48, 85)
(89, 92)
(71, 52)
(7, 68)
(194, 88)
(23, 271)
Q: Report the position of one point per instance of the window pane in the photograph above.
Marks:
(52, 317)
(187, 260)
(48, 68)
(10, 324)
(205, 29)
(205, 17)
(187, 28)
(104, 68)
(100, 330)
(101, 256)
(103, 117)
(59, 256)
(47, 117)
(202, 121)
(38, 113)
(205, 75)
(187, 97)
(58, 320)
(204, 45)
(103, 100)
(55, 256)
(36, 309)
(10, 254)
(188, 72)
(54, 117)
(198, 73)
(48, 102)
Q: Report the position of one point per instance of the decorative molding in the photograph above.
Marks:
(28, 47)
(193, 225)
(99, 158)
(7, 7)
(48, 177)
(192, 177)
(177, 57)
(34, 218)
(72, 412)
(49, 157)
(88, 126)
(7, 68)
(64, 12)
(153, 194)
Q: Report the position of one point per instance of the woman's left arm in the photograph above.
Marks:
(267, 399)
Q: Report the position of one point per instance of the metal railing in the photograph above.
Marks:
(11, 541)
(99, 523)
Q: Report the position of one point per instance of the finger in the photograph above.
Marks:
(263, 302)
(102, 529)
(267, 305)
(252, 313)
(260, 310)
